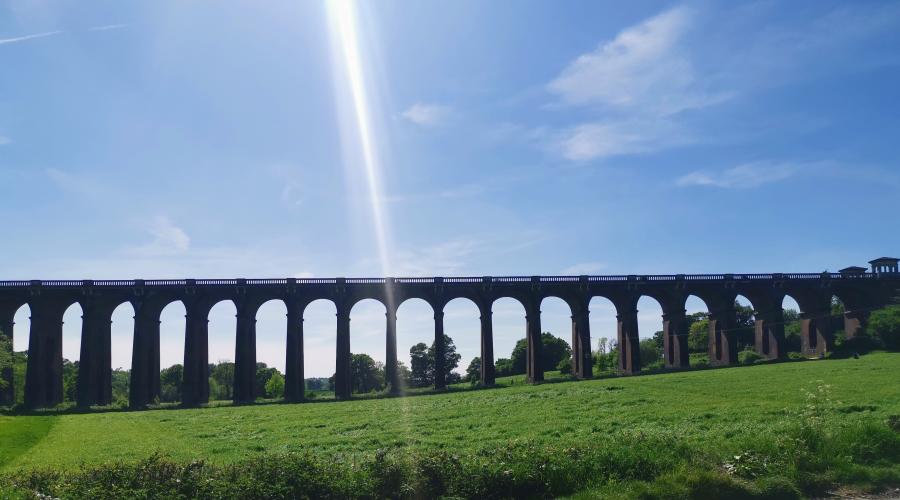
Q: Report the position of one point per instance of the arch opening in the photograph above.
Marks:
(368, 347)
(604, 335)
(415, 341)
(21, 332)
(121, 346)
(172, 323)
(462, 324)
(319, 348)
(222, 343)
(71, 350)
(556, 336)
(697, 317)
(510, 342)
(792, 327)
(745, 325)
(271, 345)
(650, 331)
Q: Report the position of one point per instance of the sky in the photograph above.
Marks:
(173, 139)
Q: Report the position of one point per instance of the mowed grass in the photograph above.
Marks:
(715, 410)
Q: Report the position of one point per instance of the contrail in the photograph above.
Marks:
(28, 37)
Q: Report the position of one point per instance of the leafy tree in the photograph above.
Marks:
(366, 375)
(418, 355)
(658, 340)
(451, 361)
(6, 359)
(565, 366)
(70, 380)
(422, 363)
(698, 336)
(263, 374)
(791, 330)
(603, 345)
(403, 373)
(170, 383)
(884, 324)
(121, 380)
(473, 372)
(745, 325)
(20, 365)
(607, 360)
(317, 384)
(503, 367)
(223, 375)
(698, 331)
(275, 386)
(554, 350)
(651, 353)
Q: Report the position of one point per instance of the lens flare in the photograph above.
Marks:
(345, 30)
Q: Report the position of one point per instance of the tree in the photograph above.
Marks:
(404, 375)
(170, 383)
(70, 380)
(275, 386)
(791, 330)
(422, 363)
(650, 353)
(366, 375)
(223, 375)
(451, 361)
(554, 350)
(418, 355)
(6, 359)
(698, 335)
(745, 325)
(263, 374)
(121, 380)
(473, 372)
(607, 360)
(884, 324)
(503, 367)
(658, 340)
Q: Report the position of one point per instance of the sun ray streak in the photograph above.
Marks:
(344, 24)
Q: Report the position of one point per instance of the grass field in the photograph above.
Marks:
(703, 417)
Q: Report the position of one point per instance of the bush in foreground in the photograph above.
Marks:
(807, 459)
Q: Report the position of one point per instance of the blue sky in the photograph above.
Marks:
(173, 139)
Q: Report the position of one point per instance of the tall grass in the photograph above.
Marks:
(806, 459)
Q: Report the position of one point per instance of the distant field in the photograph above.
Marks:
(715, 410)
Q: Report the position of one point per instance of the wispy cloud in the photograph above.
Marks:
(428, 115)
(748, 175)
(107, 27)
(74, 183)
(638, 81)
(441, 259)
(584, 268)
(608, 138)
(4, 41)
(4, 140)
(643, 68)
(647, 88)
(168, 239)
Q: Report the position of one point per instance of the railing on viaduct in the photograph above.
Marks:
(48, 301)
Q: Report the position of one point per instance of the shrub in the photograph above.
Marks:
(748, 357)
(794, 355)
(884, 324)
(699, 360)
(565, 366)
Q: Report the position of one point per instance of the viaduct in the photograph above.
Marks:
(859, 290)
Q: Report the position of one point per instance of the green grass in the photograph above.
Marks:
(674, 420)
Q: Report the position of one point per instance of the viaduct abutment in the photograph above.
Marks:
(860, 292)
